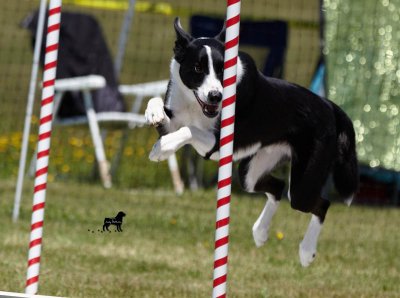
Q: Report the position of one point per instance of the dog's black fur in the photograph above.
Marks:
(286, 120)
(117, 221)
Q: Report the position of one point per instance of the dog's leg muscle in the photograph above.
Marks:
(261, 226)
(202, 141)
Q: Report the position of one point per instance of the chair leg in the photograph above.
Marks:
(175, 174)
(103, 164)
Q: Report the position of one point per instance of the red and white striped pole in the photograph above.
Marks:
(226, 149)
(46, 116)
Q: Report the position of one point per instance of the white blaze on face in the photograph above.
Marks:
(211, 82)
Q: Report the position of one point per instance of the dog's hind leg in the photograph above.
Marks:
(261, 226)
(253, 173)
(273, 188)
(308, 246)
(309, 173)
(107, 223)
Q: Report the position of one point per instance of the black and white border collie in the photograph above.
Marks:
(276, 121)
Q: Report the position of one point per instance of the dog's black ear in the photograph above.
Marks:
(182, 39)
(221, 36)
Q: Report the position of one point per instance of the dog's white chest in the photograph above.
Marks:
(187, 111)
(191, 117)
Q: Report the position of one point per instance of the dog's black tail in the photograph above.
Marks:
(345, 170)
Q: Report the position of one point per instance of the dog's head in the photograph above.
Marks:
(201, 63)
(120, 214)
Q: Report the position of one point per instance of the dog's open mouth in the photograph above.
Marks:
(209, 110)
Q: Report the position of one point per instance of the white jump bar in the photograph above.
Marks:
(90, 82)
(19, 295)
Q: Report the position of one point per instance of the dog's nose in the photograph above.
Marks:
(214, 96)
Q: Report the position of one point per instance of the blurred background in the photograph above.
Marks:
(360, 63)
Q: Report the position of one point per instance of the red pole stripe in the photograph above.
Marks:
(51, 48)
(43, 153)
(46, 119)
(228, 121)
(35, 242)
(53, 28)
(44, 135)
(226, 140)
(37, 207)
(232, 43)
(223, 201)
(47, 100)
(221, 223)
(37, 225)
(41, 171)
(219, 280)
(225, 160)
(54, 10)
(233, 21)
(50, 65)
(230, 63)
(48, 83)
(32, 280)
(231, 2)
(224, 182)
(221, 241)
(39, 187)
(33, 261)
(221, 262)
(229, 81)
(228, 101)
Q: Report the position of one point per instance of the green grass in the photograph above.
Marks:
(166, 248)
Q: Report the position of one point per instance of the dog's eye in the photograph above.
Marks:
(198, 68)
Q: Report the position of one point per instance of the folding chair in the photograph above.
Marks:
(271, 35)
(87, 90)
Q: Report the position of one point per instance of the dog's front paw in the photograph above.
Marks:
(155, 153)
(170, 143)
(154, 113)
(160, 151)
(260, 235)
(306, 254)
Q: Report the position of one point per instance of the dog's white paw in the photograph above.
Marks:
(260, 235)
(170, 143)
(306, 254)
(158, 153)
(154, 113)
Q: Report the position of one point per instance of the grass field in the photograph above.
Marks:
(166, 248)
